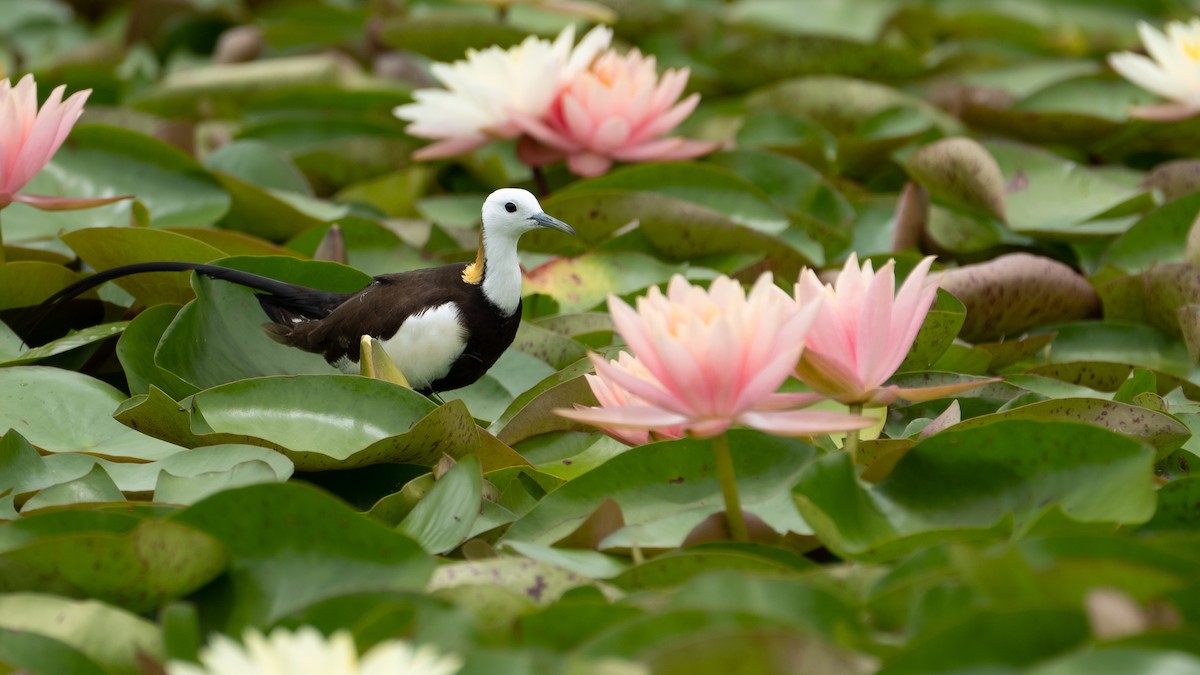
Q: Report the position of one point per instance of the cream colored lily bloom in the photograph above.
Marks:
(1172, 69)
(307, 652)
(485, 91)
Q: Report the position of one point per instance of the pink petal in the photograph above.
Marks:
(803, 422)
(36, 144)
(10, 143)
(579, 123)
(669, 89)
(919, 394)
(624, 417)
(665, 150)
(46, 203)
(875, 326)
(588, 165)
(686, 375)
(709, 427)
(630, 326)
(610, 135)
(767, 380)
(541, 131)
(913, 302)
(950, 416)
(648, 391)
(451, 147)
(73, 109)
(1165, 112)
(789, 401)
(830, 376)
(667, 121)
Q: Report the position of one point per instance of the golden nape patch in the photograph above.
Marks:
(473, 274)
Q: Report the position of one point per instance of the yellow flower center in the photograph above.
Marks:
(1192, 49)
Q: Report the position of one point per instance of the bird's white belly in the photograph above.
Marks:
(427, 344)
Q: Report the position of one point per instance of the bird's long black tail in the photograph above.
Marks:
(281, 301)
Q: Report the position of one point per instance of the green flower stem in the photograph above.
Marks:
(733, 509)
(851, 443)
(3, 259)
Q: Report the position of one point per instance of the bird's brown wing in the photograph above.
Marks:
(377, 310)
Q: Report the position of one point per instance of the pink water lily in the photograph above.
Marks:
(1172, 69)
(864, 330)
(619, 109)
(482, 94)
(705, 361)
(29, 138)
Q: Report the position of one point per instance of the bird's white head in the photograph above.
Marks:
(513, 212)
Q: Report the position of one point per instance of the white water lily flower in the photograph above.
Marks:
(484, 91)
(1172, 69)
(307, 652)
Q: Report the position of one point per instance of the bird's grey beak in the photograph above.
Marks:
(546, 220)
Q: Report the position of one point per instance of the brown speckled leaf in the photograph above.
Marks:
(912, 215)
(1168, 287)
(1175, 179)
(961, 173)
(1163, 432)
(1016, 292)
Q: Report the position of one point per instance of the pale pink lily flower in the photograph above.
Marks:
(863, 331)
(619, 109)
(29, 138)
(484, 92)
(712, 359)
(1172, 69)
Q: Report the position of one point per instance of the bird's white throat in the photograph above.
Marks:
(502, 271)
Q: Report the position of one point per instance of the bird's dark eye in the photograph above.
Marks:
(510, 207)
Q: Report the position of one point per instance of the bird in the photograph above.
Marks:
(444, 326)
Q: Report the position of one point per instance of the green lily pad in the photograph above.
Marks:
(64, 411)
(218, 338)
(941, 327)
(104, 161)
(993, 637)
(80, 338)
(106, 247)
(539, 582)
(993, 479)
(26, 283)
(1159, 237)
(292, 545)
(714, 187)
(110, 637)
(136, 349)
(94, 486)
(660, 480)
(444, 516)
(581, 283)
(138, 567)
(36, 653)
(678, 229)
(1050, 196)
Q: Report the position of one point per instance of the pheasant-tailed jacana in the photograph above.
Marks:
(443, 326)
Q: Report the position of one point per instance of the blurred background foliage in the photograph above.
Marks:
(169, 471)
